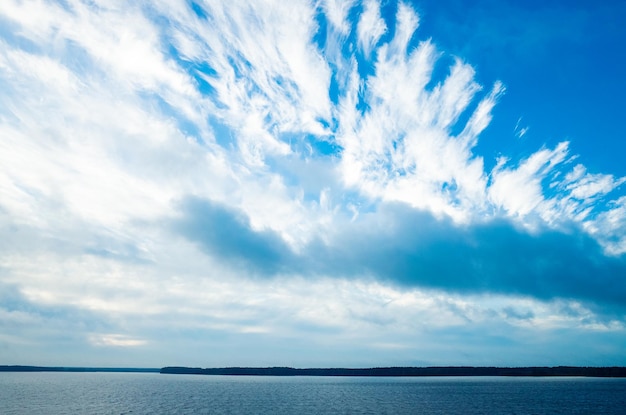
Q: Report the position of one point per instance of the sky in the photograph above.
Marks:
(312, 183)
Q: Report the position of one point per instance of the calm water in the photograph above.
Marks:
(152, 393)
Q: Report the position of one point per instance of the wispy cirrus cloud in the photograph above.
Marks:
(371, 27)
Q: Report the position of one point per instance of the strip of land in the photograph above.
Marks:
(406, 371)
(19, 368)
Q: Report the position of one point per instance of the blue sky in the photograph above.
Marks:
(332, 183)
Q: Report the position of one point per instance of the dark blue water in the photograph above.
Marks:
(147, 393)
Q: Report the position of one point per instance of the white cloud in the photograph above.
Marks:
(519, 190)
(371, 27)
(124, 156)
(609, 227)
(401, 148)
(115, 340)
(407, 22)
(337, 13)
(520, 131)
(585, 186)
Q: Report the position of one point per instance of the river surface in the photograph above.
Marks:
(152, 393)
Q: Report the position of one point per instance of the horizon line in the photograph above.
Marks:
(389, 371)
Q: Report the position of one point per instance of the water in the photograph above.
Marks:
(152, 393)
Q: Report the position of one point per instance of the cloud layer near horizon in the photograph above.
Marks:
(211, 153)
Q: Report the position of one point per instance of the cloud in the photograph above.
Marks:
(520, 131)
(371, 27)
(410, 248)
(494, 258)
(541, 187)
(336, 12)
(279, 169)
(416, 249)
(115, 340)
(519, 190)
(227, 234)
(395, 134)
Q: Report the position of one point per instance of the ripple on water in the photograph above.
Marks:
(150, 393)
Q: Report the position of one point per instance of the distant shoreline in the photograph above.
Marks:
(22, 368)
(561, 371)
(433, 371)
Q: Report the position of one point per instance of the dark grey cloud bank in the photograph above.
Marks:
(227, 234)
(406, 247)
